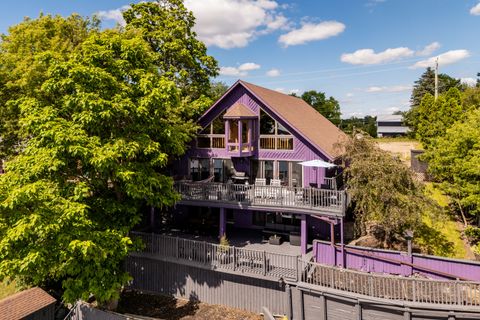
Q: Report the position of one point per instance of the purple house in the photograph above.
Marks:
(244, 169)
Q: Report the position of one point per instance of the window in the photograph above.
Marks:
(222, 170)
(213, 135)
(268, 165)
(244, 131)
(267, 124)
(296, 175)
(283, 172)
(199, 169)
(273, 135)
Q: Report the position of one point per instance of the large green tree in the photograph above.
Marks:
(25, 54)
(367, 124)
(434, 117)
(167, 25)
(426, 85)
(97, 131)
(383, 190)
(454, 159)
(328, 107)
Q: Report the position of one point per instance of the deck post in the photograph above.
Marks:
(223, 223)
(227, 133)
(342, 244)
(303, 234)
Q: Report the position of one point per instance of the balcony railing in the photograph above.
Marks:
(291, 199)
(276, 142)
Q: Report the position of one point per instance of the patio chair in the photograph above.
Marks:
(260, 183)
(275, 193)
(275, 182)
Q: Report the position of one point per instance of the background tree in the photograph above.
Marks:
(217, 89)
(383, 190)
(168, 27)
(329, 108)
(367, 124)
(25, 54)
(100, 126)
(426, 85)
(434, 117)
(454, 158)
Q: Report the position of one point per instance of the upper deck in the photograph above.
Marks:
(257, 197)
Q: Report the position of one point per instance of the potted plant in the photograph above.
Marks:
(223, 249)
(277, 240)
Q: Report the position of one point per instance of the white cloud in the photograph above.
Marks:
(475, 10)
(240, 71)
(295, 91)
(273, 73)
(368, 56)
(429, 49)
(114, 14)
(311, 32)
(349, 95)
(234, 23)
(282, 90)
(469, 81)
(398, 88)
(444, 59)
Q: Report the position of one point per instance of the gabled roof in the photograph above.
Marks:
(24, 303)
(303, 118)
(239, 110)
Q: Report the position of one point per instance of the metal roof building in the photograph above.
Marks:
(391, 125)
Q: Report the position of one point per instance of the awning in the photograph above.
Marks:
(317, 163)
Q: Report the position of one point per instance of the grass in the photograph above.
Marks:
(440, 235)
(7, 289)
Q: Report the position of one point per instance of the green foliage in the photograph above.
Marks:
(25, 55)
(367, 124)
(454, 160)
(101, 125)
(217, 90)
(224, 241)
(329, 108)
(434, 117)
(167, 26)
(473, 234)
(423, 86)
(383, 190)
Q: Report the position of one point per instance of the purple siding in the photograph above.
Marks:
(370, 260)
(302, 151)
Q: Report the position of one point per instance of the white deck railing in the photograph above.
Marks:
(293, 198)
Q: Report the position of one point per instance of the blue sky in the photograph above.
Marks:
(365, 53)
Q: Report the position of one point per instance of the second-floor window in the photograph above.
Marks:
(213, 135)
(273, 135)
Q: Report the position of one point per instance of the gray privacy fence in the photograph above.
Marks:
(294, 269)
(461, 293)
(221, 257)
(395, 262)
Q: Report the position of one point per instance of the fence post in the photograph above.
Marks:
(151, 244)
(204, 252)
(177, 246)
(264, 263)
(234, 258)
(414, 290)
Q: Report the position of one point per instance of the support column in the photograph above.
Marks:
(223, 223)
(303, 234)
(342, 244)
(227, 133)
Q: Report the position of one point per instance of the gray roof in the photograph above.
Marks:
(389, 117)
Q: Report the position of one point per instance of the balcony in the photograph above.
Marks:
(257, 197)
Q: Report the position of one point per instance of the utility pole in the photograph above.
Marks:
(436, 78)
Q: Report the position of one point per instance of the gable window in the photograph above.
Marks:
(273, 135)
(213, 135)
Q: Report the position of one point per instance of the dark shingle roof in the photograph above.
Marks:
(303, 118)
(24, 303)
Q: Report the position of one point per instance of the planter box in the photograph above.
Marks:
(295, 239)
(275, 240)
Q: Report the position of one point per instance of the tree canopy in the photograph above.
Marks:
(434, 117)
(383, 190)
(167, 25)
(98, 121)
(26, 53)
(329, 108)
(426, 85)
(454, 160)
(367, 124)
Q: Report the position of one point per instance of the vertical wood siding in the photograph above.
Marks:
(206, 285)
